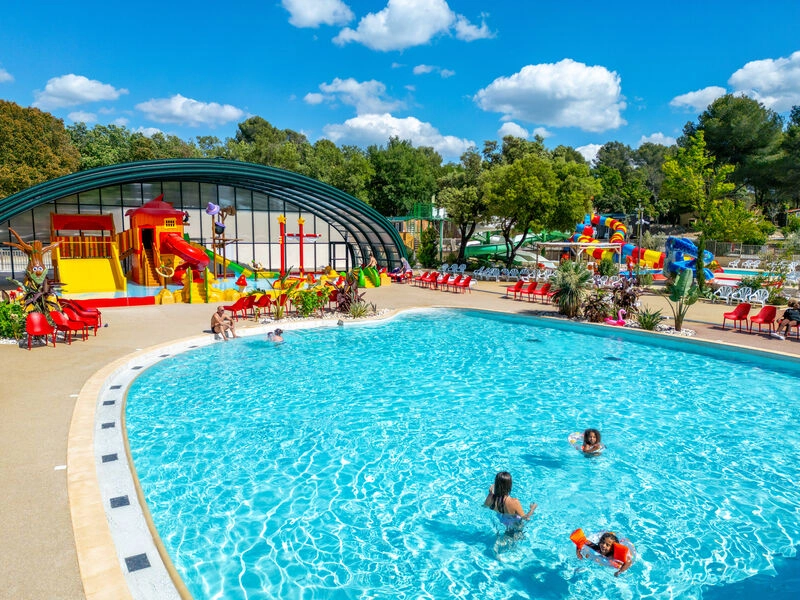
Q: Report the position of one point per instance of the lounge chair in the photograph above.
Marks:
(760, 296)
(36, 325)
(765, 316)
(734, 263)
(82, 309)
(737, 315)
(477, 272)
(513, 274)
(722, 293)
(740, 294)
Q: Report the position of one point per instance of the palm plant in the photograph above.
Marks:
(571, 283)
(682, 293)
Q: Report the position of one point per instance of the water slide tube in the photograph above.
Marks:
(172, 243)
(226, 263)
(585, 234)
(682, 255)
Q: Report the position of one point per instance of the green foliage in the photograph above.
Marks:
(597, 306)
(308, 301)
(428, 251)
(34, 148)
(731, 221)
(348, 294)
(648, 318)
(792, 224)
(359, 310)
(645, 279)
(571, 283)
(460, 196)
(626, 298)
(681, 293)
(404, 176)
(12, 320)
(607, 266)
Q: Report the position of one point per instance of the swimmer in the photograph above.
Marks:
(605, 546)
(591, 442)
(277, 336)
(509, 510)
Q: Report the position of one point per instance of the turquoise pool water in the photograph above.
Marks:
(352, 462)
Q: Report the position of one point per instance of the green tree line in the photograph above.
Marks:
(736, 169)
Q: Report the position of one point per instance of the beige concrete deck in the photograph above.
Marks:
(39, 393)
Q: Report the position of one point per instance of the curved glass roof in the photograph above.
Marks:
(362, 226)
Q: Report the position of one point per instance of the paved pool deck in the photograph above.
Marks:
(38, 406)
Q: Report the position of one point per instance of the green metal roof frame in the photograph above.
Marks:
(362, 226)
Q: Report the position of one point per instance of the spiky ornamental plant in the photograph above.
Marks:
(571, 283)
(682, 293)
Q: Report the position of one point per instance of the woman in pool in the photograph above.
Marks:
(591, 442)
(509, 510)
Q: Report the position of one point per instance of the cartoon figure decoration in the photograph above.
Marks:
(38, 294)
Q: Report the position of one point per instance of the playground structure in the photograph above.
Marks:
(487, 246)
(682, 254)
(619, 250)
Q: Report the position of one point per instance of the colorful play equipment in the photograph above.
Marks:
(585, 233)
(488, 247)
(89, 260)
(682, 255)
(300, 235)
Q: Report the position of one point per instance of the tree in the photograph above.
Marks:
(34, 147)
(403, 176)
(574, 192)
(428, 242)
(693, 180)
(459, 194)
(523, 195)
(102, 145)
(623, 185)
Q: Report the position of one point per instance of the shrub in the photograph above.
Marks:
(607, 266)
(597, 306)
(308, 301)
(12, 320)
(626, 298)
(429, 239)
(570, 283)
(648, 318)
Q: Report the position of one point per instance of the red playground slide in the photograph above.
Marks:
(194, 258)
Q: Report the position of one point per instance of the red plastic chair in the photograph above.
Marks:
(543, 293)
(422, 278)
(439, 281)
(89, 321)
(516, 288)
(464, 285)
(765, 316)
(242, 305)
(528, 290)
(264, 304)
(737, 315)
(65, 325)
(36, 325)
(453, 283)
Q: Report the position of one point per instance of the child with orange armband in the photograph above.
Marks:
(613, 552)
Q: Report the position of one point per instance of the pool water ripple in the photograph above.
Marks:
(352, 462)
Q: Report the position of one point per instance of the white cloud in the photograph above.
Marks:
(314, 98)
(446, 73)
(366, 97)
(186, 111)
(564, 94)
(699, 99)
(69, 90)
(5, 76)
(121, 121)
(589, 151)
(313, 13)
(423, 69)
(773, 82)
(364, 130)
(657, 138)
(148, 131)
(82, 117)
(406, 23)
(510, 128)
(542, 132)
(468, 32)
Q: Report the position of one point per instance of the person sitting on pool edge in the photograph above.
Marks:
(509, 510)
(791, 317)
(221, 324)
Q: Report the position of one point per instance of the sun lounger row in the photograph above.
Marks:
(531, 290)
(73, 318)
(453, 269)
(445, 282)
(740, 294)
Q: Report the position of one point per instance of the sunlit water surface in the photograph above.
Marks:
(352, 462)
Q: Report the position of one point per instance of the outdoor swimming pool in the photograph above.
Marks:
(352, 462)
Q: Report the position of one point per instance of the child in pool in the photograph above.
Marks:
(591, 442)
(509, 510)
(605, 547)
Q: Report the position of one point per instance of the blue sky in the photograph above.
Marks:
(442, 73)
